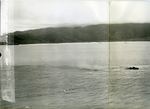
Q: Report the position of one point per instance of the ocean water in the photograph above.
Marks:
(81, 76)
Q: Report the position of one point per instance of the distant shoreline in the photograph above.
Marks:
(90, 33)
(75, 43)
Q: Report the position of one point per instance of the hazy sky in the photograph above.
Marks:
(130, 11)
(31, 14)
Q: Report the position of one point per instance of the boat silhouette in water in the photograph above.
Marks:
(132, 68)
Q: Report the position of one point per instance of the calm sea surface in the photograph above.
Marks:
(80, 76)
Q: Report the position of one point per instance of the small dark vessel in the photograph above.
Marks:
(132, 68)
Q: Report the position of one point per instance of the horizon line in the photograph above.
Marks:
(76, 25)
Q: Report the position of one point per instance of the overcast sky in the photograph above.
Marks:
(31, 14)
(137, 11)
